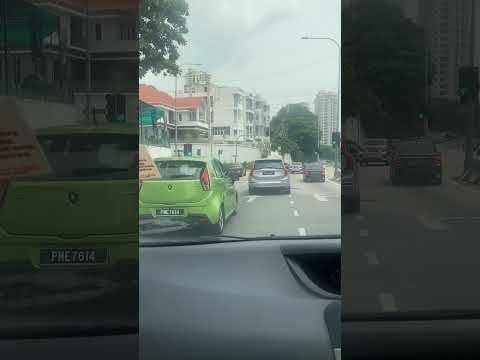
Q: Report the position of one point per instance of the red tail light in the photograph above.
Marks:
(306, 172)
(437, 159)
(4, 186)
(205, 180)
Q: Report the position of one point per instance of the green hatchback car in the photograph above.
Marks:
(80, 217)
(195, 190)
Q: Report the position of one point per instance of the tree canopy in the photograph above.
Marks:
(384, 70)
(162, 27)
(294, 131)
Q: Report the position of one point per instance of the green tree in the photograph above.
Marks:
(162, 26)
(386, 51)
(294, 131)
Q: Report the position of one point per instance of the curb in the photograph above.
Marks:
(472, 175)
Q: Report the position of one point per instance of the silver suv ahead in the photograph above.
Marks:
(269, 174)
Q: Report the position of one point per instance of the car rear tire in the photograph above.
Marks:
(289, 191)
(219, 226)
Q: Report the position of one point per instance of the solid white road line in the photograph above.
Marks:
(372, 258)
(302, 232)
(295, 213)
(387, 302)
(364, 232)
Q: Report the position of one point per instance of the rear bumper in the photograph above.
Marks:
(374, 157)
(314, 178)
(269, 184)
(412, 174)
(122, 249)
(194, 212)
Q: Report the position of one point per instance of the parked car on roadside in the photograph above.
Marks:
(269, 174)
(314, 171)
(296, 168)
(416, 161)
(375, 151)
(236, 170)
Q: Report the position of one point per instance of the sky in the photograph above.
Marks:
(256, 45)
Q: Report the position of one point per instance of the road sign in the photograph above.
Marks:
(146, 166)
(20, 152)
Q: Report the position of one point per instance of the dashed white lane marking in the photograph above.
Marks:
(431, 223)
(387, 302)
(290, 196)
(359, 217)
(372, 258)
(302, 231)
(295, 213)
(320, 197)
(292, 202)
(251, 198)
(364, 232)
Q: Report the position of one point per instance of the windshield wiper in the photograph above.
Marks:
(205, 240)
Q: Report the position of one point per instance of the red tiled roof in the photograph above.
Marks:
(150, 95)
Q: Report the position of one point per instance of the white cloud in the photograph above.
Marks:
(257, 44)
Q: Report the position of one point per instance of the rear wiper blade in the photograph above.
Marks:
(205, 240)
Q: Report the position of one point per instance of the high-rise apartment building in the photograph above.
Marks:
(326, 111)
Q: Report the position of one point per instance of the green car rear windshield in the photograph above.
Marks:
(180, 169)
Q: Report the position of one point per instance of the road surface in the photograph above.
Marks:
(412, 247)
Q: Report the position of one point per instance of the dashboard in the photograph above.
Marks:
(274, 299)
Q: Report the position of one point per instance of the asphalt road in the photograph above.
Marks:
(310, 209)
(412, 248)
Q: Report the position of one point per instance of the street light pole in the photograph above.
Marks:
(175, 104)
(337, 44)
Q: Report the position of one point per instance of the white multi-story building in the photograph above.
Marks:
(326, 111)
(236, 115)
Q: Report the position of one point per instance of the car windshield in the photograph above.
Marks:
(216, 104)
(180, 169)
(89, 156)
(268, 164)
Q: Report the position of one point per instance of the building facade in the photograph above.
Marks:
(326, 111)
(73, 51)
(190, 113)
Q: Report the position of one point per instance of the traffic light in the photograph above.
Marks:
(467, 84)
(335, 138)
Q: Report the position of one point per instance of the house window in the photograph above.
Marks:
(98, 32)
(180, 117)
(205, 89)
(128, 31)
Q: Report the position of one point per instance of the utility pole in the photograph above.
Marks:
(209, 120)
(5, 43)
(175, 115)
(473, 96)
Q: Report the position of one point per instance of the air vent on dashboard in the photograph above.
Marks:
(319, 272)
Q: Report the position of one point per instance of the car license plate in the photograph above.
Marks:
(269, 173)
(170, 212)
(73, 257)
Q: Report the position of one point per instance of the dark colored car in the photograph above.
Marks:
(416, 161)
(236, 170)
(314, 172)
